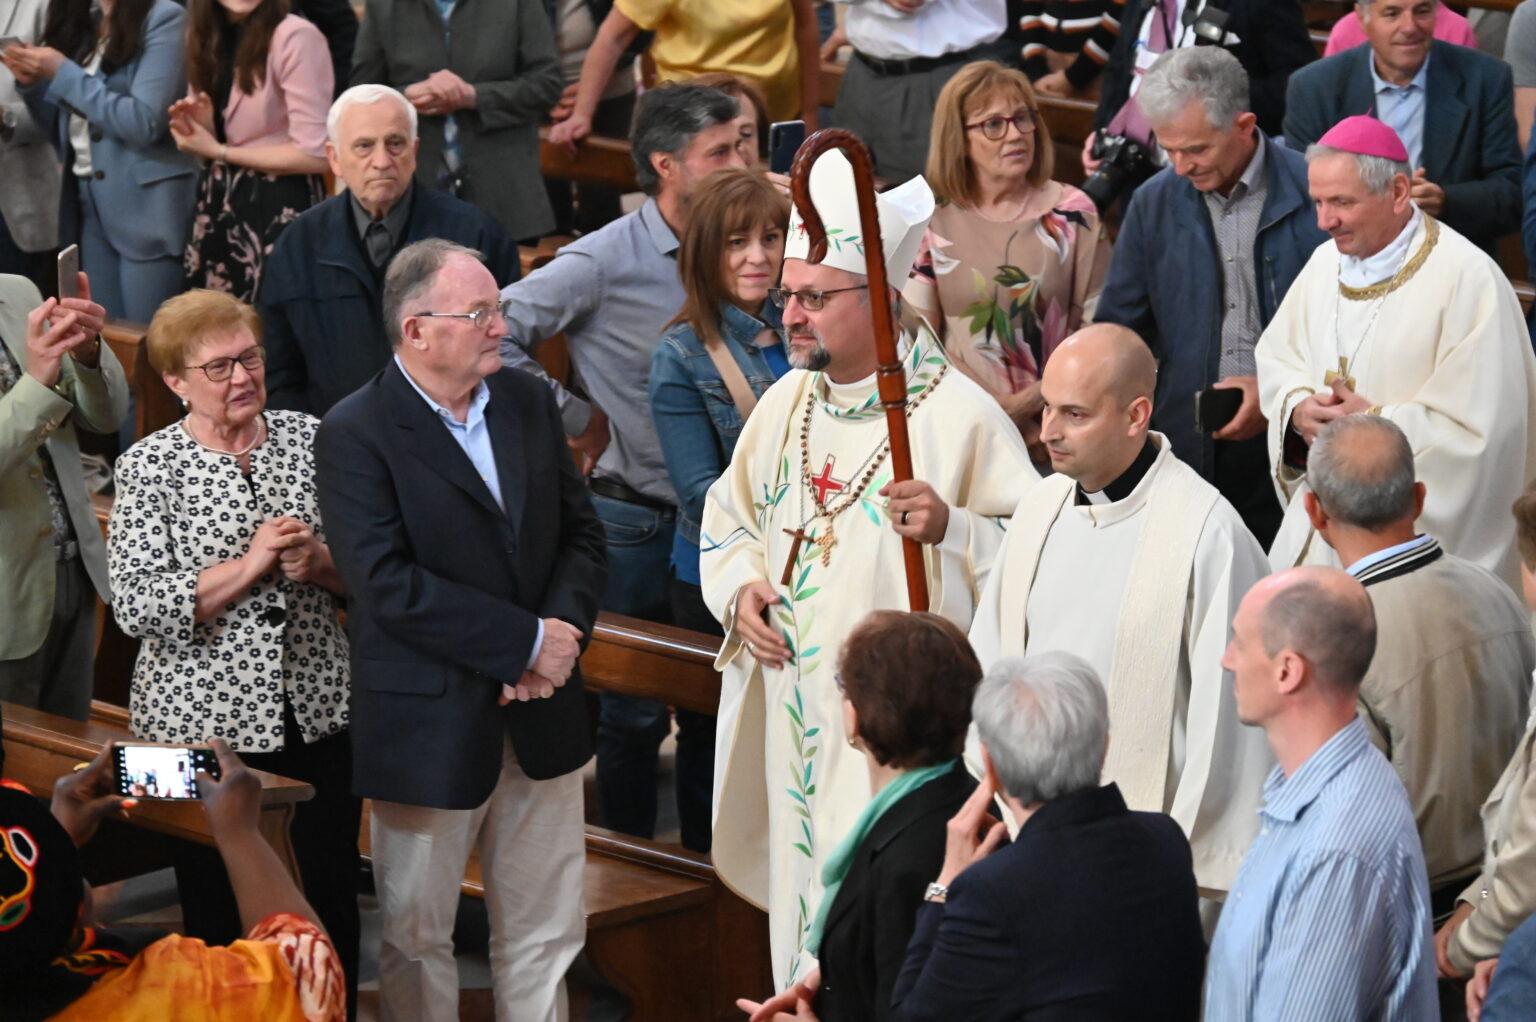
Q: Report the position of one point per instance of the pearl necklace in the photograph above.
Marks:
(261, 431)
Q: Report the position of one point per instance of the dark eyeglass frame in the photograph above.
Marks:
(476, 317)
(253, 359)
(1027, 123)
(811, 300)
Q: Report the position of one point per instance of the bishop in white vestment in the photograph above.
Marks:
(802, 537)
(1402, 317)
(1129, 559)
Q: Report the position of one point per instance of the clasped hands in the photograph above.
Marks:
(551, 668)
(441, 92)
(286, 544)
(1315, 412)
(192, 125)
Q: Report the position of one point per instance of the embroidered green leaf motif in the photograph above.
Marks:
(810, 652)
(803, 850)
(800, 582)
(811, 790)
(812, 732)
(869, 511)
(794, 715)
(806, 594)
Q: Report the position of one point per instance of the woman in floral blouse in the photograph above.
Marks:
(217, 560)
(1012, 262)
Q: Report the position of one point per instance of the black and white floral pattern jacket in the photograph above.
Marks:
(180, 509)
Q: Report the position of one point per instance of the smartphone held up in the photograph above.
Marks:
(147, 770)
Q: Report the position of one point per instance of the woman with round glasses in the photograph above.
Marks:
(1013, 262)
(217, 561)
(716, 359)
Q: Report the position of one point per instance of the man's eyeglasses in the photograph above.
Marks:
(994, 128)
(478, 317)
(811, 301)
(220, 369)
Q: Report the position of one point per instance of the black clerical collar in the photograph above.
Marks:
(1123, 484)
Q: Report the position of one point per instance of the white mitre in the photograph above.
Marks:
(904, 213)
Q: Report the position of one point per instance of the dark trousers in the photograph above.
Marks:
(1242, 476)
(324, 843)
(41, 268)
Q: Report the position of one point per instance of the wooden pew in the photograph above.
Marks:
(598, 160)
(41, 747)
(155, 407)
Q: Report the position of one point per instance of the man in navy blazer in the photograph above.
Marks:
(1453, 108)
(1091, 912)
(474, 563)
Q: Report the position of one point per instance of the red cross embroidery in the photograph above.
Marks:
(824, 483)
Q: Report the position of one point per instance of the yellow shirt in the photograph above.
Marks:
(753, 39)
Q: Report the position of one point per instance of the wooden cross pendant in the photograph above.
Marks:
(794, 554)
(1342, 374)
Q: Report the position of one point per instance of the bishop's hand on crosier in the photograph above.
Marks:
(763, 641)
(916, 511)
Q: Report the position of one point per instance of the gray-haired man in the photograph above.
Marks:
(319, 296)
(612, 294)
(1208, 250)
(1091, 911)
(1448, 690)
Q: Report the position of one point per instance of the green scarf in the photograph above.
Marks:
(841, 860)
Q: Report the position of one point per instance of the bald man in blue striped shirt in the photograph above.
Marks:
(1329, 916)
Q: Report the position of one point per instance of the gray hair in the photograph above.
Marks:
(1209, 74)
(1376, 172)
(666, 119)
(411, 272)
(1334, 632)
(366, 95)
(1045, 722)
(1370, 487)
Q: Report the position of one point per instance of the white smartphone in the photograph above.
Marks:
(69, 272)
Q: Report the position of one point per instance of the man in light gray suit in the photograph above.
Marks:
(29, 167)
(56, 376)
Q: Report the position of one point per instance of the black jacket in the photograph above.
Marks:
(1272, 42)
(1470, 149)
(1090, 914)
(320, 296)
(445, 590)
(870, 922)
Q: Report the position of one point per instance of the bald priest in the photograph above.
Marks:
(1400, 316)
(1129, 559)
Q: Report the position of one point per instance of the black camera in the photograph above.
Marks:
(1124, 163)
(1209, 23)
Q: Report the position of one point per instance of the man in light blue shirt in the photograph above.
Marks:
(1401, 108)
(1329, 915)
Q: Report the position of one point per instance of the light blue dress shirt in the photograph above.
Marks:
(474, 438)
(1329, 917)
(1401, 108)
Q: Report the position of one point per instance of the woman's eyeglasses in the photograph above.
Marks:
(220, 369)
(811, 301)
(994, 128)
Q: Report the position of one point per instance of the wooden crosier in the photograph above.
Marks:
(890, 378)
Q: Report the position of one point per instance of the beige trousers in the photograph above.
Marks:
(531, 840)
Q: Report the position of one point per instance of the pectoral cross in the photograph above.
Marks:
(1342, 375)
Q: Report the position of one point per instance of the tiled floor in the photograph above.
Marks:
(150, 902)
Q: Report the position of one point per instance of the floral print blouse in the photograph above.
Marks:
(1002, 296)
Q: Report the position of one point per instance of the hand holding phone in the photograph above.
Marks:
(148, 770)
(81, 800)
(1214, 408)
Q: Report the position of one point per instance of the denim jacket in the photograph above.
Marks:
(695, 418)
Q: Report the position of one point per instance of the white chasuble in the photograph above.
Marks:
(1144, 588)
(1442, 349)
(787, 785)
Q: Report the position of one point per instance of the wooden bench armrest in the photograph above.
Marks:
(651, 661)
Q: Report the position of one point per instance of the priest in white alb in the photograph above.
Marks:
(802, 537)
(1402, 317)
(1129, 559)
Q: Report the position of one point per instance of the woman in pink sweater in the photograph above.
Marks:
(259, 83)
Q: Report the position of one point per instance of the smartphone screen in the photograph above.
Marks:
(69, 272)
(6, 42)
(784, 141)
(161, 771)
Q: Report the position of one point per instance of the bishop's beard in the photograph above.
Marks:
(816, 359)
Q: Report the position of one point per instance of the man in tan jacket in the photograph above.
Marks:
(1504, 894)
(1449, 689)
(56, 377)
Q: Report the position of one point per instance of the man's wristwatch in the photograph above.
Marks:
(937, 893)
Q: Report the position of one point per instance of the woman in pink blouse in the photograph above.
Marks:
(259, 83)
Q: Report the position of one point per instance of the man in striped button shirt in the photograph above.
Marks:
(1329, 917)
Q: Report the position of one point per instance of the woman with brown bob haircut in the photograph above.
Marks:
(716, 359)
(907, 683)
(1013, 262)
